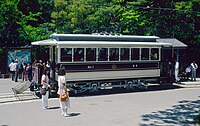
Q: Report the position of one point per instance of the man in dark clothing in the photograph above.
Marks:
(23, 70)
(40, 71)
(29, 71)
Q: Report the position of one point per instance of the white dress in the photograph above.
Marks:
(176, 71)
(61, 81)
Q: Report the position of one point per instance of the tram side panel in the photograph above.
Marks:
(111, 79)
(89, 76)
(110, 75)
(114, 70)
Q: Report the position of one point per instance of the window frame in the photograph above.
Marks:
(106, 55)
(82, 56)
(158, 54)
(61, 55)
(114, 56)
(95, 55)
(126, 57)
(139, 54)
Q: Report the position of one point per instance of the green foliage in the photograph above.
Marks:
(8, 17)
(24, 21)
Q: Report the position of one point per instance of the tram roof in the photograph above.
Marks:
(97, 43)
(176, 43)
(102, 37)
(45, 42)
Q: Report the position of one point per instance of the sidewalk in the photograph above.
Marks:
(189, 84)
(7, 95)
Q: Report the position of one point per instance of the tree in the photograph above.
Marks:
(173, 19)
(35, 18)
(8, 27)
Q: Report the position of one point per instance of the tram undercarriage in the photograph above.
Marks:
(96, 86)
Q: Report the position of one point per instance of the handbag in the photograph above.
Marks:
(43, 91)
(64, 96)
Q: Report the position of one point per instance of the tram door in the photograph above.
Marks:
(166, 65)
(53, 60)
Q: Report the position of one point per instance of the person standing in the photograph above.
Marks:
(45, 85)
(193, 67)
(12, 69)
(23, 69)
(64, 105)
(29, 71)
(40, 70)
(17, 70)
(35, 76)
(176, 71)
(48, 66)
(187, 72)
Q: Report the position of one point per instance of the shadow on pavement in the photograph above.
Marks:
(74, 114)
(182, 114)
(54, 107)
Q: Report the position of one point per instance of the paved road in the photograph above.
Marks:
(172, 107)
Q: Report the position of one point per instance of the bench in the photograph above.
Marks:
(21, 88)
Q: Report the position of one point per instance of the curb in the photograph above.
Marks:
(188, 85)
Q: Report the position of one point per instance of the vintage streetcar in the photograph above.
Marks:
(95, 62)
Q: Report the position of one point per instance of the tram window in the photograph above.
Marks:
(145, 54)
(135, 54)
(124, 53)
(78, 54)
(66, 54)
(114, 54)
(102, 54)
(91, 54)
(154, 54)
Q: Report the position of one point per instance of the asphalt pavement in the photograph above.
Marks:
(174, 106)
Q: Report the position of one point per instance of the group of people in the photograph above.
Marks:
(172, 71)
(64, 105)
(190, 71)
(23, 69)
(40, 73)
(31, 71)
